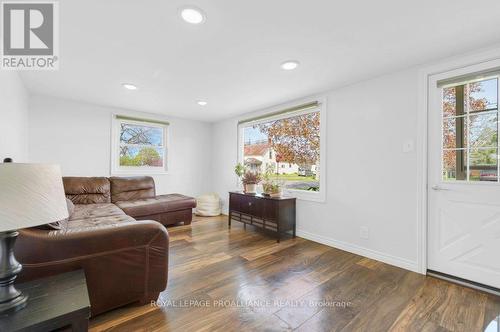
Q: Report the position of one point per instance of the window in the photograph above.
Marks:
(293, 138)
(470, 131)
(139, 146)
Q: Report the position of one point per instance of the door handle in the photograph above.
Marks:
(439, 188)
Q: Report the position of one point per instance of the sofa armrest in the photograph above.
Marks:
(41, 246)
(123, 263)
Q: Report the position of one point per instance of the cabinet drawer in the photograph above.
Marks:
(245, 204)
(257, 207)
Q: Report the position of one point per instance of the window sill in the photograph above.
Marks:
(303, 195)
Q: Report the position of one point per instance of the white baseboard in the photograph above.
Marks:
(355, 249)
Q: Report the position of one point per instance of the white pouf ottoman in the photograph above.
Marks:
(208, 205)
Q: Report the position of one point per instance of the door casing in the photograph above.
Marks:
(427, 78)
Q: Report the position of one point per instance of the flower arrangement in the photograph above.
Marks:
(248, 178)
(270, 186)
(251, 178)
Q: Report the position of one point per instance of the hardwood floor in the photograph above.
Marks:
(237, 280)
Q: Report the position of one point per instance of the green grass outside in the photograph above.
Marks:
(292, 177)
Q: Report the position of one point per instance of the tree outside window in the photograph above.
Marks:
(139, 145)
(290, 146)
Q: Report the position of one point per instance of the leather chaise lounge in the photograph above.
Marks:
(112, 235)
(137, 198)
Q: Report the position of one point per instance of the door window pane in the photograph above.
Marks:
(483, 165)
(450, 139)
(470, 131)
(483, 130)
(454, 165)
(482, 95)
(449, 101)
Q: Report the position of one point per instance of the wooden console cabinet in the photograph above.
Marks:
(275, 215)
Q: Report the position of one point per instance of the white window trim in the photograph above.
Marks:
(322, 107)
(116, 169)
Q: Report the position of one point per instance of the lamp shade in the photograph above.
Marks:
(30, 195)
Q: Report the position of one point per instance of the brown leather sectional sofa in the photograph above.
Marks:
(112, 235)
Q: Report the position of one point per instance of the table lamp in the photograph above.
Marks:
(30, 195)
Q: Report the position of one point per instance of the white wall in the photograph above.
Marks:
(370, 181)
(78, 137)
(13, 117)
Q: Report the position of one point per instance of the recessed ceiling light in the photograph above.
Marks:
(192, 15)
(129, 86)
(289, 65)
(202, 103)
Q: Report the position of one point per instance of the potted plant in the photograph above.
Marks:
(272, 189)
(270, 185)
(239, 170)
(250, 180)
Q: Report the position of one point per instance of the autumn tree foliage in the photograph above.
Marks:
(296, 139)
(449, 136)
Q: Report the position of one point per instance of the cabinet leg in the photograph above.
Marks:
(229, 220)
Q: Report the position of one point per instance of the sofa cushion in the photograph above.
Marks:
(57, 224)
(132, 188)
(90, 224)
(87, 190)
(84, 211)
(155, 205)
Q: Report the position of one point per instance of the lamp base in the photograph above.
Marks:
(10, 297)
(15, 304)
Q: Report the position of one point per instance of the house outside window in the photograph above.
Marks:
(288, 145)
(138, 146)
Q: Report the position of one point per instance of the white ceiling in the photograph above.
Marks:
(233, 60)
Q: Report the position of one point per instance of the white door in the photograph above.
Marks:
(463, 168)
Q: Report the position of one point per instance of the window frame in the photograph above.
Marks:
(315, 196)
(116, 169)
(466, 116)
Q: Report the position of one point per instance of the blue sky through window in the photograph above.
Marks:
(253, 135)
(489, 90)
(148, 135)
